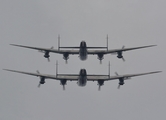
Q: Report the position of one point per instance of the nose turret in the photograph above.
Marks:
(83, 72)
(83, 44)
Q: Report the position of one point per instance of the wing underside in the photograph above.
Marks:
(46, 76)
(116, 50)
(49, 49)
(107, 77)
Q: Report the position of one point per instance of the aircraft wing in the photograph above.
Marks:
(116, 50)
(46, 76)
(107, 77)
(86, 47)
(49, 49)
(97, 77)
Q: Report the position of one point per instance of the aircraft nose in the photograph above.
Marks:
(82, 71)
(83, 44)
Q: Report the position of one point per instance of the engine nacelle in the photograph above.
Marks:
(66, 56)
(63, 82)
(119, 55)
(42, 80)
(100, 56)
(46, 55)
(100, 82)
(121, 81)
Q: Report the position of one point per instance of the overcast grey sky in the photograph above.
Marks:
(38, 22)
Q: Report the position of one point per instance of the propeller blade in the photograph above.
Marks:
(99, 88)
(66, 61)
(100, 61)
(116, 74)
(48, 59)
(123, 59)
(119, 86)
(123, 47)
(38, 71)
(52, 47)
(63, 87)
(39, 85)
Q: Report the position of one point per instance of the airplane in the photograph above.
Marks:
(83, 50)
(82, 77)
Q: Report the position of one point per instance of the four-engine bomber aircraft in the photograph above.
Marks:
(83, 50)
(82, 77)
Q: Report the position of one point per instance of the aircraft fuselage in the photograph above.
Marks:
(82, 80)
(83, 51)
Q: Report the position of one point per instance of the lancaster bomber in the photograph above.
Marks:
(83, 50)
(82, 77)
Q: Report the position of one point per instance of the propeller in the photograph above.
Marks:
(123, 47)
(48, 59)
(52, 47)
(46, 53)
(122, 56)
(100, 61)
(66, 61)
(116, 74)
(119, 83)
(39, 85)
(38, 71)
(119, 86)
(39, 82)
(63, 87)
(123, 59)
(99, 88)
